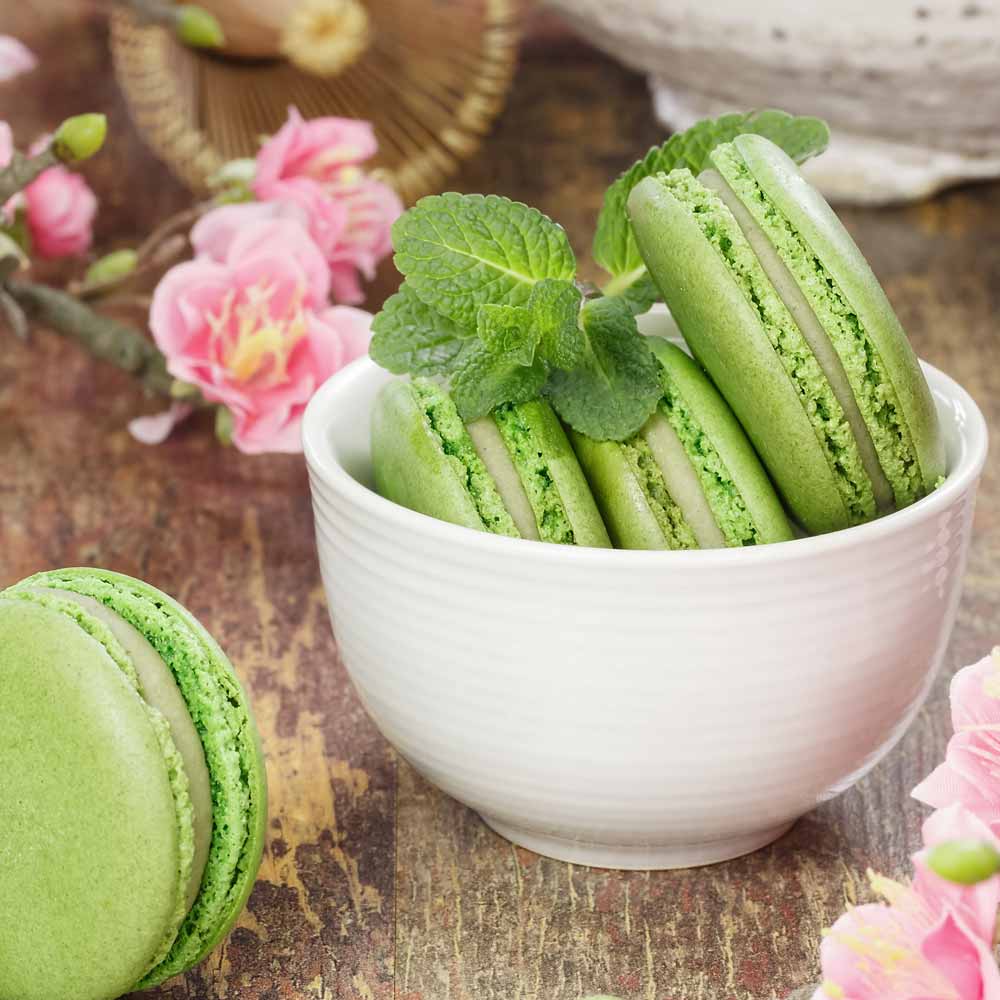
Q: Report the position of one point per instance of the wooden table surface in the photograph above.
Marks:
(374, 885)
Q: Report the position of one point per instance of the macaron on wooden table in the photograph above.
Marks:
(374, 885)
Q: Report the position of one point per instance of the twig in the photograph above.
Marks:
(22, 170)
(111, 341)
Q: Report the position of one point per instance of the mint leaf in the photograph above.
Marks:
(614, 245)
(611, 393)
(554, 307)
(489, 378)
(409, 337)
(639, 293)
(508, 330)
(461, 251)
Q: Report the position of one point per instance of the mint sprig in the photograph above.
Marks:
(408, 337)
(615, 387)
(491, 303)
(614, 246)
(490, 378)
(461, 251)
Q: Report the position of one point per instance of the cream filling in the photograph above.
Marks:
(682, 481)
(812, 330)
(491, 449)
(160, 690)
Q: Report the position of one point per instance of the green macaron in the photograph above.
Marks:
(510, 473)
(779, 305)
(133, 788)
(690, 478)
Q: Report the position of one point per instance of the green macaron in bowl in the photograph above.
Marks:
(690, 478)
(778, 304)
(134, 788)
(510, 473)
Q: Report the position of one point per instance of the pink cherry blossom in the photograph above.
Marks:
(15, 58)
(970, 774)
(319, 150)
(232, 233)
(917, 946)
(61, 209)
(242, 331)
(315, 166)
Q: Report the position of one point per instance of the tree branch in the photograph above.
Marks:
(106, 339)
(22, 170)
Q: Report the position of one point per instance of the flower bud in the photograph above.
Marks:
(196, 27)
(964, 861)
(111, 268)
(79, 137)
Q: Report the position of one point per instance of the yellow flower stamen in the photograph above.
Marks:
(251, 339)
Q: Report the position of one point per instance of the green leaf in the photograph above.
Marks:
(489, 378)
(409, 337)
(614, 245)
(611, 393)
(508, 330)
(462, 251)
(554, 308)
(639, 293)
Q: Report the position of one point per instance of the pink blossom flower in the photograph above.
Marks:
(315, 165)
(61, 209)
(59, 204)
(970, 774)
(931, 941)
(232, 233)
(372, 208)
(15, 58)
(243, 333)
(319, 150)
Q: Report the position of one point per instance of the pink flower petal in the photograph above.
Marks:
(155, 429)
(15, 58)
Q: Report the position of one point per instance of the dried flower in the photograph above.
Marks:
(325, 36)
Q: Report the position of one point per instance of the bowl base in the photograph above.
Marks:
(630, 857)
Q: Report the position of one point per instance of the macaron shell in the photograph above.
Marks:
(726, 336)
(630, 522)
(159, 689)
(564, 469)
(222, 716)
(818, 225)
(722, 428)
(89, 858)
(409, 465)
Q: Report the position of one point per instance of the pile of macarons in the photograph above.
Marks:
(801, 408)
(133, 789)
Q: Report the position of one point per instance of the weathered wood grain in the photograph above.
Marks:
(375, 886)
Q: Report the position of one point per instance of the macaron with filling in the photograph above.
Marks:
(778, 304)
(510, 473)
(690, 478)
(133, 788)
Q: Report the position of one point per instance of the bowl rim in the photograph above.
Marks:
(324, 467)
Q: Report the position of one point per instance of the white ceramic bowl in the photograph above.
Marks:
(635, 709)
